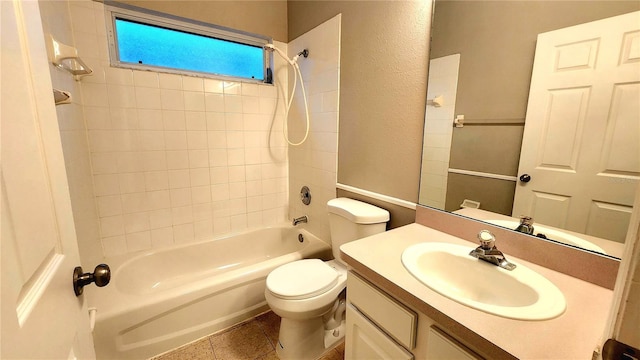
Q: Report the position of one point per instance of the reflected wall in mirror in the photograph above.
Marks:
(482, 55)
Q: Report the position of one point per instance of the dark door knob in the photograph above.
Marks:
(525, 178)
(101, 276)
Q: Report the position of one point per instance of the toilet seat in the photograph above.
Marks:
(302, 279)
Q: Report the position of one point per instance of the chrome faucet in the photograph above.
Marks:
(488, 251)
(526, 225)
(301, 219)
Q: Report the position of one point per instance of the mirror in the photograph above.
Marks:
(482, 55)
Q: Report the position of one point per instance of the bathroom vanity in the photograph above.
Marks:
(381, 327)
(393, 315)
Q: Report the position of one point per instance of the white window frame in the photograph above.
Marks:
(153, 18)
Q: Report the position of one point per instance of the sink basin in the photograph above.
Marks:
(448, 269)
(553, 234)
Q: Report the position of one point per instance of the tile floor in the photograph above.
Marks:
(251, 340)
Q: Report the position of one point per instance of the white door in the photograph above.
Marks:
(41, 316)
(581, 144)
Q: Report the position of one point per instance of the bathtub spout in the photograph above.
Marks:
(301, 219)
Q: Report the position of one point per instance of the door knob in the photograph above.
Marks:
(101, 276)
(525, 178)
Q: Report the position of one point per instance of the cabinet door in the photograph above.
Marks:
(440, 346)
(395, 319)
(366, 341)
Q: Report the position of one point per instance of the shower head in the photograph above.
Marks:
(272, 48)
(304, 53)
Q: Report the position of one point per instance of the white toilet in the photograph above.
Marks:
(309, 294)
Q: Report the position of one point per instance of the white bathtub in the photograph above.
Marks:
(162, 299)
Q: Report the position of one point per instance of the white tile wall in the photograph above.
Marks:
(443, 80)
(56, 20)
(314, 163)
(174, 158)
(156, 159)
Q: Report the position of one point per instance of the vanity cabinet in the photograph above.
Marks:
(381, 327)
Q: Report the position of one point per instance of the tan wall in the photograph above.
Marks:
(267, 17)
(492, 141)
(493, 149)
(384, 58)
(496, 40)
(494, 195)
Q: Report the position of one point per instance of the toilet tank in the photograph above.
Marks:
(351, 220)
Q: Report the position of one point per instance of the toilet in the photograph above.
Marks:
(309, 295)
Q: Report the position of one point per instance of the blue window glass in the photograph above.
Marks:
(151, 45)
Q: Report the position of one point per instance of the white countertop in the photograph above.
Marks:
(572, 335)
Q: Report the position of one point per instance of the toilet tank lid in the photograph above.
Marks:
(357, 211)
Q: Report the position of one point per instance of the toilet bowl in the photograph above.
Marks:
(305, 288)
(303, 334)
(309, 295)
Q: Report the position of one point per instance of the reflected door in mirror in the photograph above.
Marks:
(581, 144)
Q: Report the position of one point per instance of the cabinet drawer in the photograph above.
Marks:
(396, 319)
(442, 346)
(365, 341)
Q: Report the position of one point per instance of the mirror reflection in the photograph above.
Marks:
(505, 139)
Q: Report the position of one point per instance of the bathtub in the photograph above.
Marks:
(162, 299)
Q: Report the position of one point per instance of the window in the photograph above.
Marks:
(152, 41)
